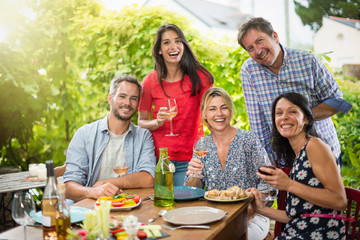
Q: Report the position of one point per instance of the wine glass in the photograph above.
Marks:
(23, 209)
(200, 149)
(121, 171)
(267, 161)
(171, 105)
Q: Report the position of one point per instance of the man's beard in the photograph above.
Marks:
(122, 118)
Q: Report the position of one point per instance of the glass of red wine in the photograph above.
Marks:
(268, 162)
(200, 149)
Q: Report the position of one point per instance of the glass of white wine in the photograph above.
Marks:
(172, 106)
(121, 171)
(23, 209)
(200, 149)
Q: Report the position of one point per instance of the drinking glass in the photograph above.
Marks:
(267, 161)
(200, 149)
(23, 209)
(171, 105)
(121, 171)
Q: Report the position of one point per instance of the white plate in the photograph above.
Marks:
(124, 208)
(220, 200)
(194, 215)
(77, 214)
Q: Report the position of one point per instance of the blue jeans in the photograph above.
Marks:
(180, 172)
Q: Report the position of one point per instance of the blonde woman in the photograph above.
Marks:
(232, 157)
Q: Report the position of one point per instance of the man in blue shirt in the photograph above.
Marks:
(273, 70)
(113, 141)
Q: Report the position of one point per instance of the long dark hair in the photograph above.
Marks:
(188, 63)
(285, 154)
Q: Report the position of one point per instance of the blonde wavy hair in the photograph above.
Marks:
(215, 92)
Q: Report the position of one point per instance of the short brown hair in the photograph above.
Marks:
(126, 77)
(259, 24)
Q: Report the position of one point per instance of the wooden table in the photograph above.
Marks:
(232, 226)
(10, 183)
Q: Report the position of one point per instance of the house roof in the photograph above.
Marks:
(347, 21)
(212, 14)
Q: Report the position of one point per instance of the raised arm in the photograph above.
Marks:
(323, 164)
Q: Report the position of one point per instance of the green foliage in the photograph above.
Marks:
(80, 47)
(348, 130)
(312, 12)
(24, 92)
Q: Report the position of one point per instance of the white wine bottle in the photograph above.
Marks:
(62, 216)
(48, 203)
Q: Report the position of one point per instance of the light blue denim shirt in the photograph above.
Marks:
(83, 156)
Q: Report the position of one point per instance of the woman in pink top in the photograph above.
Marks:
(179, 75)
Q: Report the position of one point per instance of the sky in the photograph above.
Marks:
(272, 10)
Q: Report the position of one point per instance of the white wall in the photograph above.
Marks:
(342, 40)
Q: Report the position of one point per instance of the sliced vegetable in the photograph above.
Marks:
(117, 231)
(136, 198)
(141, 234)
(123, 195)
(104, 198)
(118, 200)
(117, 204)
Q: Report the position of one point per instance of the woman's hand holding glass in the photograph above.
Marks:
(173, 111)
(162, 116)
(195, 167)
(201, 148)
(266, 165)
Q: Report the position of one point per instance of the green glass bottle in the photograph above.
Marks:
(164, 182)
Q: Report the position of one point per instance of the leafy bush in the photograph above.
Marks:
(348, 130)
(81, 47)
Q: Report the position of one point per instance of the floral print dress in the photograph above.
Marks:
(241, 163)
(308, 227)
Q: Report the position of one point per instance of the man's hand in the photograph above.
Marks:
(103, 190)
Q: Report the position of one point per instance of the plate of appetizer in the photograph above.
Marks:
(232, 194)
(122, 201)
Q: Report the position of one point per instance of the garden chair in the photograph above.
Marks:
(352, 212)
(59, 171)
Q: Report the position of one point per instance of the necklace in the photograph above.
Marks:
(226, 144)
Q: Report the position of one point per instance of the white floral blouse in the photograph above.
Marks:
(240, 167)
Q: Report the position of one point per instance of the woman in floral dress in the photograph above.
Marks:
(315, 192)
(232, 158)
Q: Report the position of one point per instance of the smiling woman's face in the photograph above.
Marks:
(289, 119)
(218, 114)
(172, 47)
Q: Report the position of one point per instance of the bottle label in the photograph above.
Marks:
(46, 221)
(172, 167)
